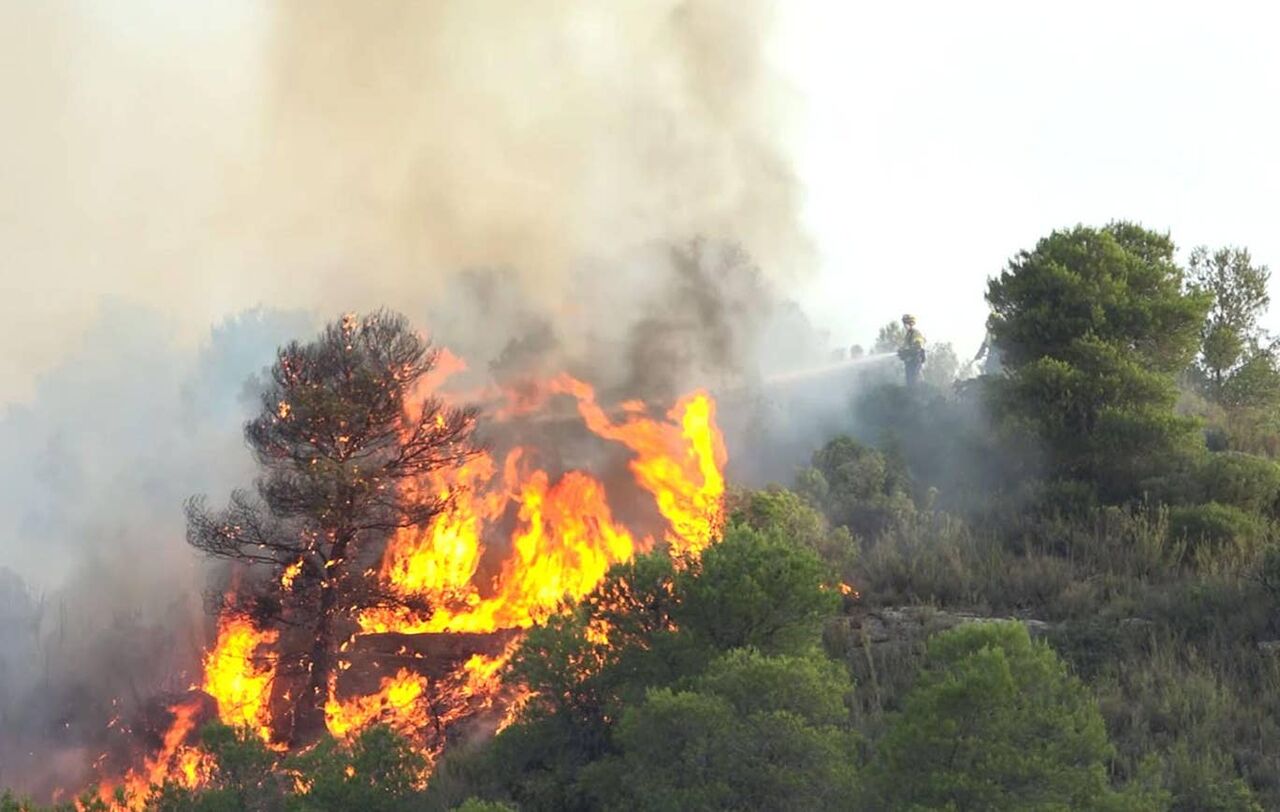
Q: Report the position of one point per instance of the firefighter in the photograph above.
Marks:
(912, 351)
(988, 357)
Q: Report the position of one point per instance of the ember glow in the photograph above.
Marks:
(554, 537)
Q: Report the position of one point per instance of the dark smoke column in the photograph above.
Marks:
(340, 455)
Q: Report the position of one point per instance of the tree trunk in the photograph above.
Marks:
(309, 722)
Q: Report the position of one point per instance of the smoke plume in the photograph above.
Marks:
(601, 187)
(332, 156)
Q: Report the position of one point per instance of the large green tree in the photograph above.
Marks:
(1093, 326)
(995, 722)
(857, 486)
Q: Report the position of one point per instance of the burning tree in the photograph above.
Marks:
(343, 456)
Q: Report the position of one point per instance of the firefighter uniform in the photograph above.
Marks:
(912, 351)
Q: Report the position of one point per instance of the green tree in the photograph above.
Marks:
(995, 722)
(1093, 327)
(243, 777)
(753, 732)
(583, 679)
(751, 589)
(337, 440)
(755, 590)
(379, 771)
(1239, 289)
(1254, 384)
(857, 486)
(1118, 285)
(791, 516)
(943, 366)
(661, 628)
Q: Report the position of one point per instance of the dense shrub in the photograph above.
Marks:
(792, 517)
(753, 732)
(857, 487)
(995, 722)
(1217, 526)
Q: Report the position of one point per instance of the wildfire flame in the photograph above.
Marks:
(176, 761)
(561, 537)
(237, 678)
(396, 703)
(679, 462)
(566, 538)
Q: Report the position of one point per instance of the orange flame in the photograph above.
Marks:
(238, 678)
(566, 538)
(679, 462)
(239, 682)
(291, 574)
(175, 762)
(396, 703)
(562, 538)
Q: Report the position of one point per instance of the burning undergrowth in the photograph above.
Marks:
(562, 488)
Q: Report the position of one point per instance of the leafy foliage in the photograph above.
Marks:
(889, 337)
(857, 486)
(753, 732)
(794, 518)
(1230, 332)
(1094, 326)
(711, 655)
(995, 722)
(755, 590)
(1116, 286)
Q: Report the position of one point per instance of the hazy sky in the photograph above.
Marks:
(933, 140)
(942, 137)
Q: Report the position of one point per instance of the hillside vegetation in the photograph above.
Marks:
(1052, 586)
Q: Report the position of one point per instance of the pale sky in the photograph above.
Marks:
(933, 141)
(940, 138)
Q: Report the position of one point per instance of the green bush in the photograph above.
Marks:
(1229, 478)
(753, 732)
(1167, 700)
(994, 723)
(786, 514)
(857, 487)
(1242, 480)
(1217, 526)
(756, 590)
